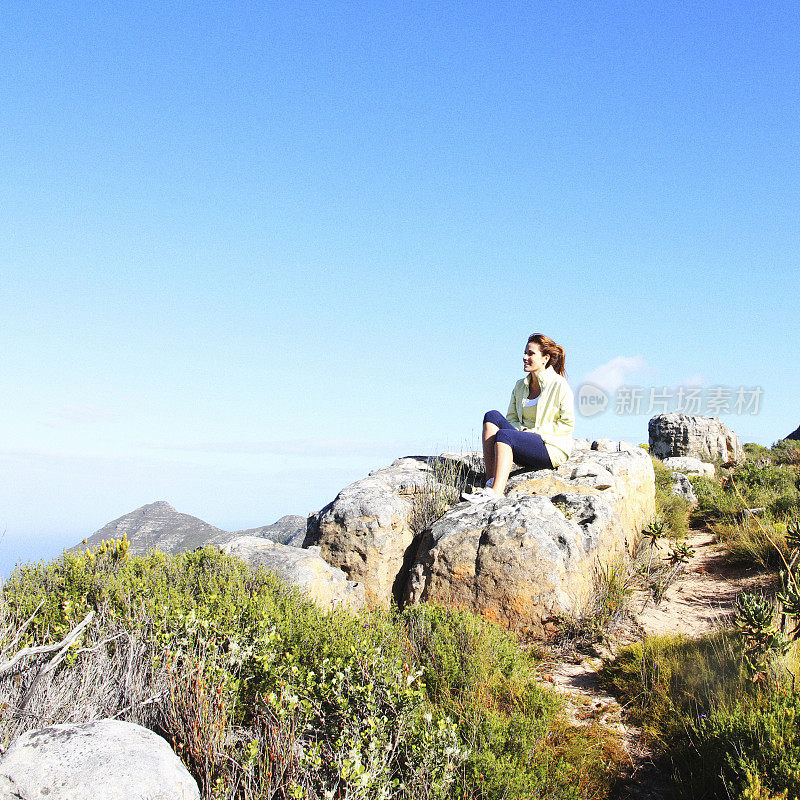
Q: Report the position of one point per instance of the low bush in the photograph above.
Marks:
(667, 680)
(725, 735)
(518, 748)
(672, 508)
(730, 750)
(263, 695)
(754, 541)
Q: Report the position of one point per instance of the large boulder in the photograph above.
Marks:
(108, 758)
(532, 556)
(685, 435)
(327, 586)
(369, 528)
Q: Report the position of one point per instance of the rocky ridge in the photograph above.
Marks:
(522, 559)
(676, 434)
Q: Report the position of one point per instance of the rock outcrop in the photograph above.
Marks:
(325, 585)
(108, 758)
(688, 465)
(368, 530)
(794, 435)
(684, 435)
(290, 530)
(532, 556)
(682, 487)
(521, 560)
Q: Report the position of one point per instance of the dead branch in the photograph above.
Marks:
(46, 649)
(64, 646)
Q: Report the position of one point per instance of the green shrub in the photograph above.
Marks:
(666, 681)
(263, 695)
(725, 735)
(673, 509)
(786, 451)
(729, 749)
(248, 661)
(754, 541)
(480, 677)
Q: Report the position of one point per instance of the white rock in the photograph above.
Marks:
(327, 586)
(689, 466)
(682, 487)
(107, 759)
(606, 446)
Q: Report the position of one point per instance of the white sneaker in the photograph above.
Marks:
(481, 496)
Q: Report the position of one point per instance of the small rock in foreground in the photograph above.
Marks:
(107, 759)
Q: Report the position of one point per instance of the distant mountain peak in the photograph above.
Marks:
(160, 506)
(158, 526)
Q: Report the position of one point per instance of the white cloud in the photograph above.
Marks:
(613, 374)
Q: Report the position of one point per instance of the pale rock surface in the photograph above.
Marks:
(107, 759)
(367, 531)
(533, 555)
(689, 466)
(605, 445)
(682, 487)
(676, 434)
(327, 586)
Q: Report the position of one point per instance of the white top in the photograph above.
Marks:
(527, 402)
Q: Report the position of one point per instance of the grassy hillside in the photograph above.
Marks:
(262, 695)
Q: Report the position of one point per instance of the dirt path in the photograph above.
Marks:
(702, 598)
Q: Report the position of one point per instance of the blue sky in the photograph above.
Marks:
(252, 250)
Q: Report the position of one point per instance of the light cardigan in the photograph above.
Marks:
(555, 413)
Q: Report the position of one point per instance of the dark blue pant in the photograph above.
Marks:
(528, 447)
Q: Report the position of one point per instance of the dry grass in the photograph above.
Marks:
(446, 479)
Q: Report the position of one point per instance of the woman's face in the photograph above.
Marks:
(533, 360)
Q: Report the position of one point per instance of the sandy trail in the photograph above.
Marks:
(702, 598)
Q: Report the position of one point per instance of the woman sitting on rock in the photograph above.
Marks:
(537, 429)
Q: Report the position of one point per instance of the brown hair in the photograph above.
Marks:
(550, 348)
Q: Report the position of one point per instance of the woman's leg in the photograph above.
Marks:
(524, 447)
(503, 463)
(493, 421)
